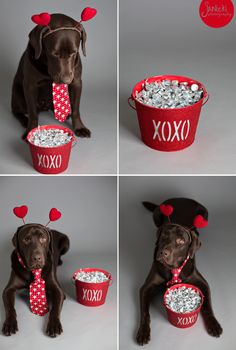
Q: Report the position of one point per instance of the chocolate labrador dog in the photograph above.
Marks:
(175, 241)
(39, 248)
(47, 59)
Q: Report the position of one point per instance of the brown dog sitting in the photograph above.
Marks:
(51, 56)
(176, 240)
(36, 247)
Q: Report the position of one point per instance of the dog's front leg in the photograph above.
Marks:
(54, 326)
(212, 325)
(79, 128)
(10, 324)
(31, 96)
(152, 282)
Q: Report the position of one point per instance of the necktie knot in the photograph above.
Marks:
(37, 273)
(176, 272)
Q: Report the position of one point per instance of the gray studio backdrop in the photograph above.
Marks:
(88, 207)
(216, 259)
(168, 37)
(98, 103)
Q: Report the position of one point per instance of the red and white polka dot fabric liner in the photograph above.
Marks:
(61, 101)
(176, 272)
(38, 300)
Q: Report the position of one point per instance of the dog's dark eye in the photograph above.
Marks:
(26, 240)
(42, 239)
(55, 54)
(180, 241)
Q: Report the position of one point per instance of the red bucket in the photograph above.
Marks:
(91, 294)
(168, 129)
(183, 320)
(51, 160)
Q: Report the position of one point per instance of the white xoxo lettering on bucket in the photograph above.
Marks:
(166, 131)
(187, 320)
(49, 162)
(92, 294)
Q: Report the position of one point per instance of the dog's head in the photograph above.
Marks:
(174, 244)
(60, 46)
(33, 242)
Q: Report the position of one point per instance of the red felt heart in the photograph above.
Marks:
(54, 214)
(200, 222)
(20, 212)
(43, 19)
(88, 13)
(166, 209)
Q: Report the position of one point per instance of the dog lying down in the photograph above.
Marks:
(177, 240)
(37, 250)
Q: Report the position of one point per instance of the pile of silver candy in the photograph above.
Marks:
(92, 277)
(50, 137)
(169, 94)
(183, 299)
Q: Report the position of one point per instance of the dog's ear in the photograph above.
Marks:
(15, 238)
(158, 217)
(50, 242)
(35, 39)
(83, 41)
(195, 244)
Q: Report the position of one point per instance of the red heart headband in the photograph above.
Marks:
(22, 211)
(44, 18)
(198, 222)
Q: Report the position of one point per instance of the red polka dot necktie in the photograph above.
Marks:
(176, 272)
(37, 291)
(38, 300)
(61, 101)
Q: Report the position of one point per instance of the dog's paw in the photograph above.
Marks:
(28, 129)
(10, 326)
(54, 327)
(82, 132)
(143, 335)
(213, 327)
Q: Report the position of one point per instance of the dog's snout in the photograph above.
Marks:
(37, 258)
(66, 78)
(165, 253)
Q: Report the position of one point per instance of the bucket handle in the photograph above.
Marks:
(74, 142)
(206, 99)
(110, 280)
(129, 102)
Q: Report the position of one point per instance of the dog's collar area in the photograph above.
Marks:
(176, 272)
(21, 260)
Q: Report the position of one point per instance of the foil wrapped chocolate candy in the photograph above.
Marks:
(169, 94)
(50, 137)
(183, 299)
(92, 277)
